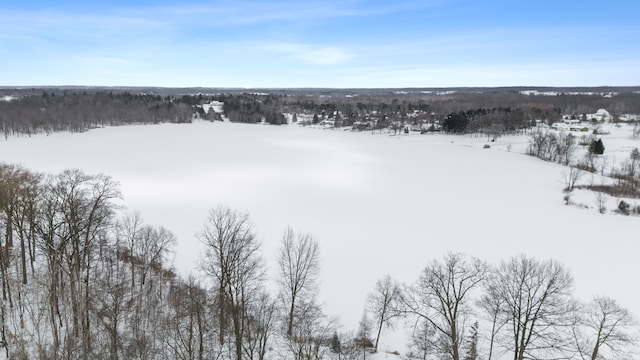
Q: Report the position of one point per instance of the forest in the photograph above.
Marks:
(82, 277)
(24, 112)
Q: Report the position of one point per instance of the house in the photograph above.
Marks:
(601, 115)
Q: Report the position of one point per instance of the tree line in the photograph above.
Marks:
(488, 111)
(620, 180)
(81, 111)
(525, 306)
(84, 278)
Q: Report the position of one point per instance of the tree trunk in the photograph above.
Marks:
(222, 313)
(291, 311)
(596, 348)
(23, 257)
(380, 323)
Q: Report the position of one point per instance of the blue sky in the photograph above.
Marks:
(329, 43)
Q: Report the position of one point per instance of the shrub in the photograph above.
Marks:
(624, 207)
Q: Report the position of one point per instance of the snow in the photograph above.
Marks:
(217, 107)
(378, 204)
(556, 93)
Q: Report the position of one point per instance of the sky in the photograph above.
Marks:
(329, 43)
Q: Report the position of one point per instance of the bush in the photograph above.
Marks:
(624, 207)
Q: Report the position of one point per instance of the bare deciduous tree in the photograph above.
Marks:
(382, 304)
(151, 249)
(82, 209)
(299, 267)
(186, 333)
(312, 329)
(441, 296)
(108, 302)
(127, 233)
(19, 189)
(571, 177)
(606, 330)
(534, 299)
(232, 259)
(422, 342)
(492, 303)
(260, 326)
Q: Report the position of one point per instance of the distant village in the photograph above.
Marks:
(492, 111)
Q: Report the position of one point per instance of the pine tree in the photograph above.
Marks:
(472, 343)
(363, 337)
(596, 147)
(336, 346)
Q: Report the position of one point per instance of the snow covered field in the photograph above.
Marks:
(378, 204)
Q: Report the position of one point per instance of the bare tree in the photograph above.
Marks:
(232, 259)
(151, 249)
(548, 146)
(492, 303)
(260, 326)
(534, 299)
(127, 233)
(571, 177)
(422, 342)
(344, 346)
(186, 333)
(312, 329)
(19, 189)
(606, 330)
(149, 284)
(108, 302)
(382, 303)
(84, 210)
(441, 296)
(631, 169)
(299, 267)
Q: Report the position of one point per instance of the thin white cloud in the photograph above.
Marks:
(254, 12)
(300, 41)
(43, 20)
(106, 61)
(318, 55)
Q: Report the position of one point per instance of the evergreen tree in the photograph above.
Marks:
(596, 147)
(363, 337)
(472, 343)
(456, 122)
(336, 346)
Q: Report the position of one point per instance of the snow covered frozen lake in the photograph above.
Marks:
(378, 204)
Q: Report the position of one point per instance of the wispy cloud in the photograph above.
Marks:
(43, 20)
(254, 12)
(319, 55)
(106, 61)
(343, 43)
